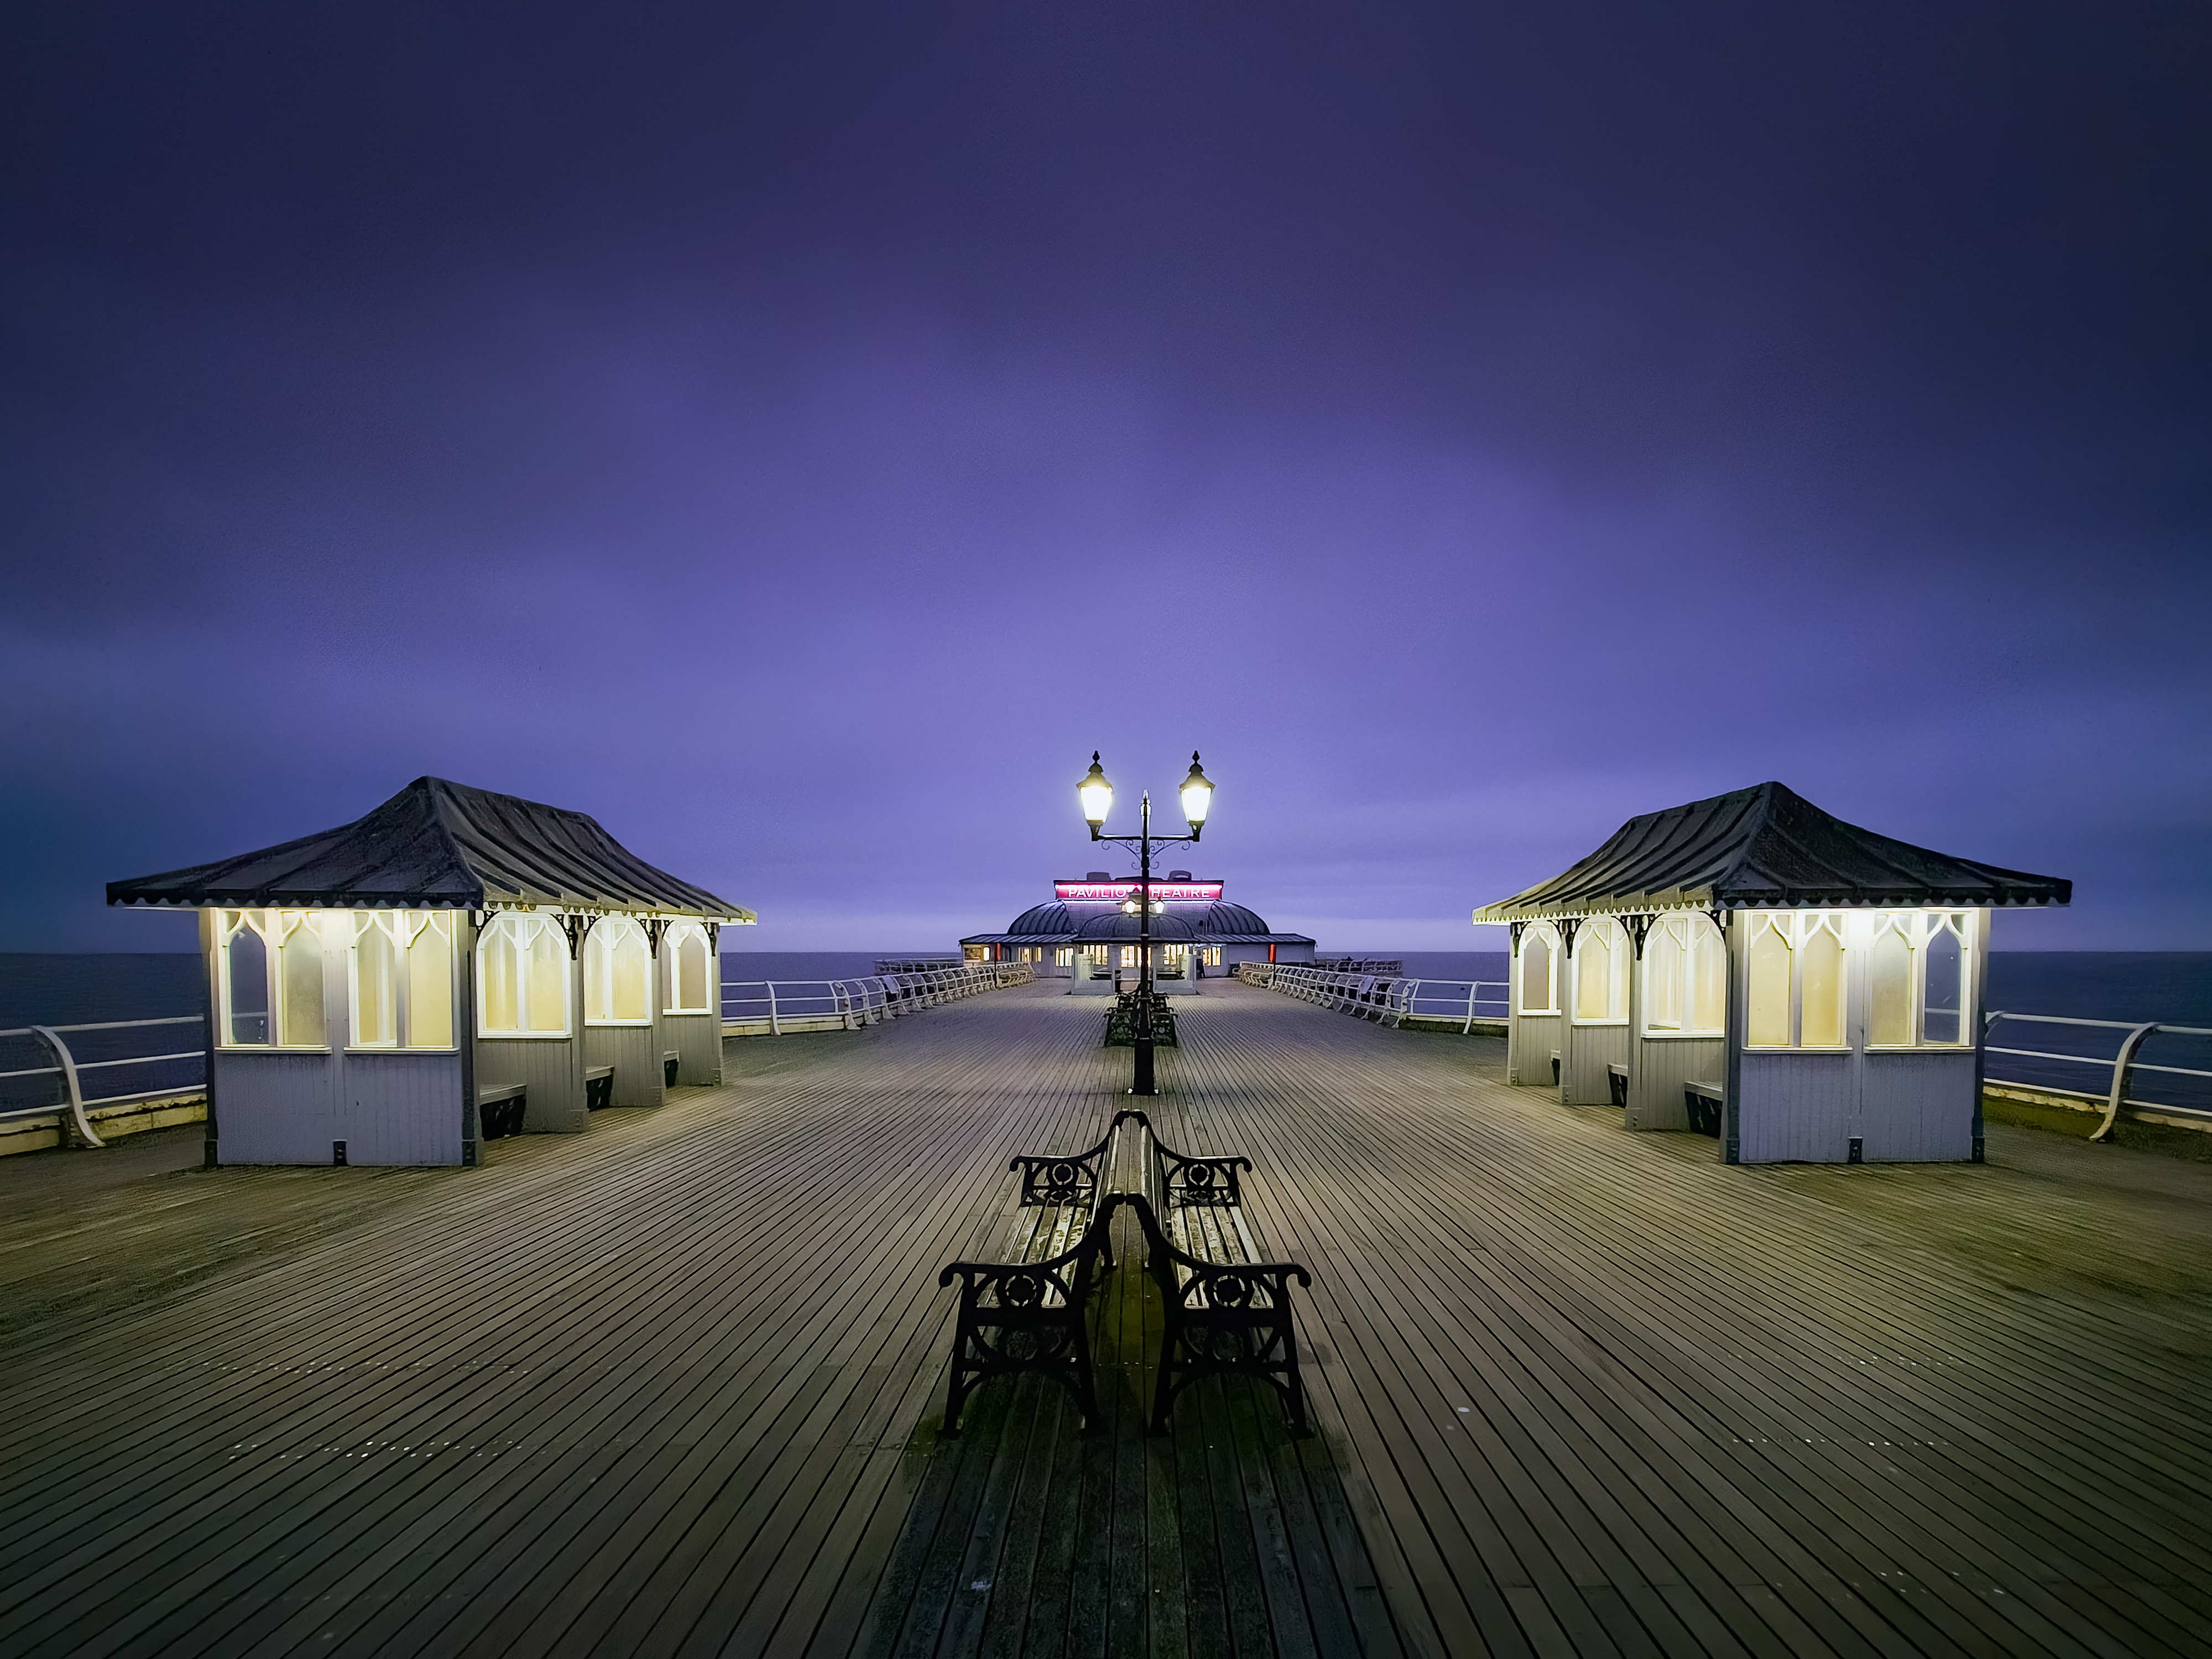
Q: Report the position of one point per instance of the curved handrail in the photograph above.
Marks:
(2122, 1066)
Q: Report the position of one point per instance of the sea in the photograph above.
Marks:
(2172, 988)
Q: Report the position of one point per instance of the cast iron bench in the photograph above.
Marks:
(1226, 1307)
(1026, 1312)
(670, 1059)
(500, 1105)
(1616, 1082)
(598, 1087)
(1121, 1022)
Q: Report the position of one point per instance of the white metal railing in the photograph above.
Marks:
(69, 1070)
(772, 1007)
(2120, 1069)
(1380, 997)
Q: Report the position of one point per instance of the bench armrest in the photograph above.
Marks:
(1024, 1283)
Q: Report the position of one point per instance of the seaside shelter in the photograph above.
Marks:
(456, 965)
(1750, 965)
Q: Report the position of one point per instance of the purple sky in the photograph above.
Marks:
(799, 435)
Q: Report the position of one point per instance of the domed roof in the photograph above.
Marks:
(1049, 920)
(1172, 929)
(1233, 920)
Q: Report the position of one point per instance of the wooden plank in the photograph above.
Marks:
(669, 1386)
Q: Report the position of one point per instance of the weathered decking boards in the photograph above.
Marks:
(671, 1386)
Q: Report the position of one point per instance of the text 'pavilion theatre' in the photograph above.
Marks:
(1086, 934)
(454, 965)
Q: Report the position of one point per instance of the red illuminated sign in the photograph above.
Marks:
(1113, 892)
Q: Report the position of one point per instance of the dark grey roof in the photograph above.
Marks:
(441, 846)
(1115, 925)
(1766, 847)
(1050, 921)
(1230, 921)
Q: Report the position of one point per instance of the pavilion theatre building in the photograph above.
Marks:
(1750, 966)
(1085, 935)
(456, 965)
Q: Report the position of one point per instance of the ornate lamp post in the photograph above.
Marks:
(1097, 795)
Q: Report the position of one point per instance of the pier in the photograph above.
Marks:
(671, 1385)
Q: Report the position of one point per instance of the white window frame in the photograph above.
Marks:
(595, 941)
(526, 924)
(404, 928)
(671, 979)
(1616, 943)
(273, 926)
(1551, 936)
(1795, 928)
(1698, 932)
(1920, 928)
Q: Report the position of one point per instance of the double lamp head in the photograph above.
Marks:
(1097, 795)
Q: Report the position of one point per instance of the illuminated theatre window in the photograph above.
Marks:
(1917, 966)
(272, 979)
(403, 979)
(1685, 977)
(1538, 979)
(522, 976)
(617, 973)
(1601, 956)
(1064, 957)
(684, 949)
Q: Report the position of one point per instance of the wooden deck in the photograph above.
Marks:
(673, 1386)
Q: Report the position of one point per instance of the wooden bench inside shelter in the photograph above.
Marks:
(1703, 1102)
(500, 1107)
(599, 1086)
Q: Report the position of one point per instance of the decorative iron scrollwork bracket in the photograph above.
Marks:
(1639, 928)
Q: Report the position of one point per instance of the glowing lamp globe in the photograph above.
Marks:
(1197, 794)
(1096, 794)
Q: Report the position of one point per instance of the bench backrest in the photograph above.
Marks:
(1173, 1179)
(1072, 1178)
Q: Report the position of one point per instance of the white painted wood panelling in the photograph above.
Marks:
(634, 1053)
(698, 1039)
(277, 1107)
(1919, 1108)
(1797, 1107)
(401, 1108)
(549, 1067)
(1530, 1039)
(1584, 1054)
(1662, 1066)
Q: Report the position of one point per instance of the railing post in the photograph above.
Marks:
(1473, 986)
(2120, 1064)
(77, 1122)
(774, 1029)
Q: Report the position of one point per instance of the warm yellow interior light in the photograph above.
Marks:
(1096, 794)
(1197, 794)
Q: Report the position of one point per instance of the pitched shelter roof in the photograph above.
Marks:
(440, 845)
(1766, 846)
